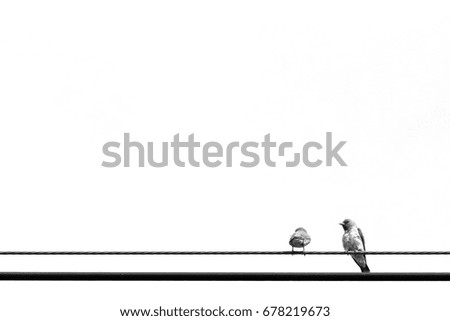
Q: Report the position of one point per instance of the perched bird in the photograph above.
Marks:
(300, 238)
(353, 240)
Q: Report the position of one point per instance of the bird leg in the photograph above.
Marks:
(304, 251)
(292, 250)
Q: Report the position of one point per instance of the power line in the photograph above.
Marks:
(181, 253)
(220, 276)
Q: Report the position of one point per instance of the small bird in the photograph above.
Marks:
(300, 238)
(353, 240)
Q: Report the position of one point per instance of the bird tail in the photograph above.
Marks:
(365, 269)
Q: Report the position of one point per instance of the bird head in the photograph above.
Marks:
(300, 229)
(348, 224)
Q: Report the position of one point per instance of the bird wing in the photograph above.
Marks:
(362, 238)
(306, 238)
(293, 236)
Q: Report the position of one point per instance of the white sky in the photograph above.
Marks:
(76, 76)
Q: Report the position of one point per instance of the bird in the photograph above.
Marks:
(300, 238)
(353, 240)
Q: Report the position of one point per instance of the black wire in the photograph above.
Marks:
(222, 253)
(221, 276)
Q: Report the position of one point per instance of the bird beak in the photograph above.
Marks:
(341, 224)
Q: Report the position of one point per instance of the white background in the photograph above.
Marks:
(74, 75)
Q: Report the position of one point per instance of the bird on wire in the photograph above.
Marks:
(353, 240)
(300, 238)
